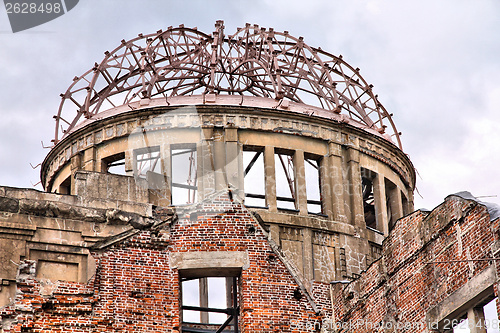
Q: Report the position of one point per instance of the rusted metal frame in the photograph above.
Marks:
(257, 83)
(311, 63)
(252, 162)
(256, 42)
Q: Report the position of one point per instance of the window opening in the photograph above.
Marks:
(65, 187)
(254, 178)
(313, 184)
(210, 304)
(148, 160)
(462, 326)
(184, 175)
(285, 180)
(491, 316)
(367, 177)
(484, 318)
(114, 164)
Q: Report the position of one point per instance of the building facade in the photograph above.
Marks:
(233, 183)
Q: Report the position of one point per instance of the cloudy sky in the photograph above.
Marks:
(434, 64)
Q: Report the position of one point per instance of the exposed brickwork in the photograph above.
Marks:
(135, 289)
(399, 289)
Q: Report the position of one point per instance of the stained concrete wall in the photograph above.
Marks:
(220, 135)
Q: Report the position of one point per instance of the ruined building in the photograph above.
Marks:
(234, 183)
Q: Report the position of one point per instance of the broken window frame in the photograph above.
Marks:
(143, 157)
(232, 311)
(258, 155)
(314, 161)
(113, 161)
(191, 183)
(289, 172)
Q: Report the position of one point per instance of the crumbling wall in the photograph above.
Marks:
(136, 287)
(428, 260)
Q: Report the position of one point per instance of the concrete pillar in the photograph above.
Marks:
(411, 200)
(334, 184)
(355, 189)
(300, 182)
(89, 160)
(203, 285)
(130, 161)
(270, 174)
(76, 164)
(219, 160)
(476, 320)
(234, 175)
(395, 202)
(380, 204)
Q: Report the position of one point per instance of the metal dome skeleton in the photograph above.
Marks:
(253, 62)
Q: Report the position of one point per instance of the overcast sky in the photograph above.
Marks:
(434, 64)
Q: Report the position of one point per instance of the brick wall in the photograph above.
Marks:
(136, 289)
(401, 288)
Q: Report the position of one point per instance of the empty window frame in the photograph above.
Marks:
(254, 178)
(209, 304)
(367, 177)
(285, 179)
(184, 176)
(147, 159)
(313, 183)
(114, 164)
(482, 317)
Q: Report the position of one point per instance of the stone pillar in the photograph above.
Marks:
(300, 182)
(411, 200)
(333, 179)
(76, 164)
(89, 160)
(380, 204)
(270, 174)
(355, 188)
(129, 161)
(396, 203)
(219, 160)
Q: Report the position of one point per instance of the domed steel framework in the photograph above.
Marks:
(252, 62)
